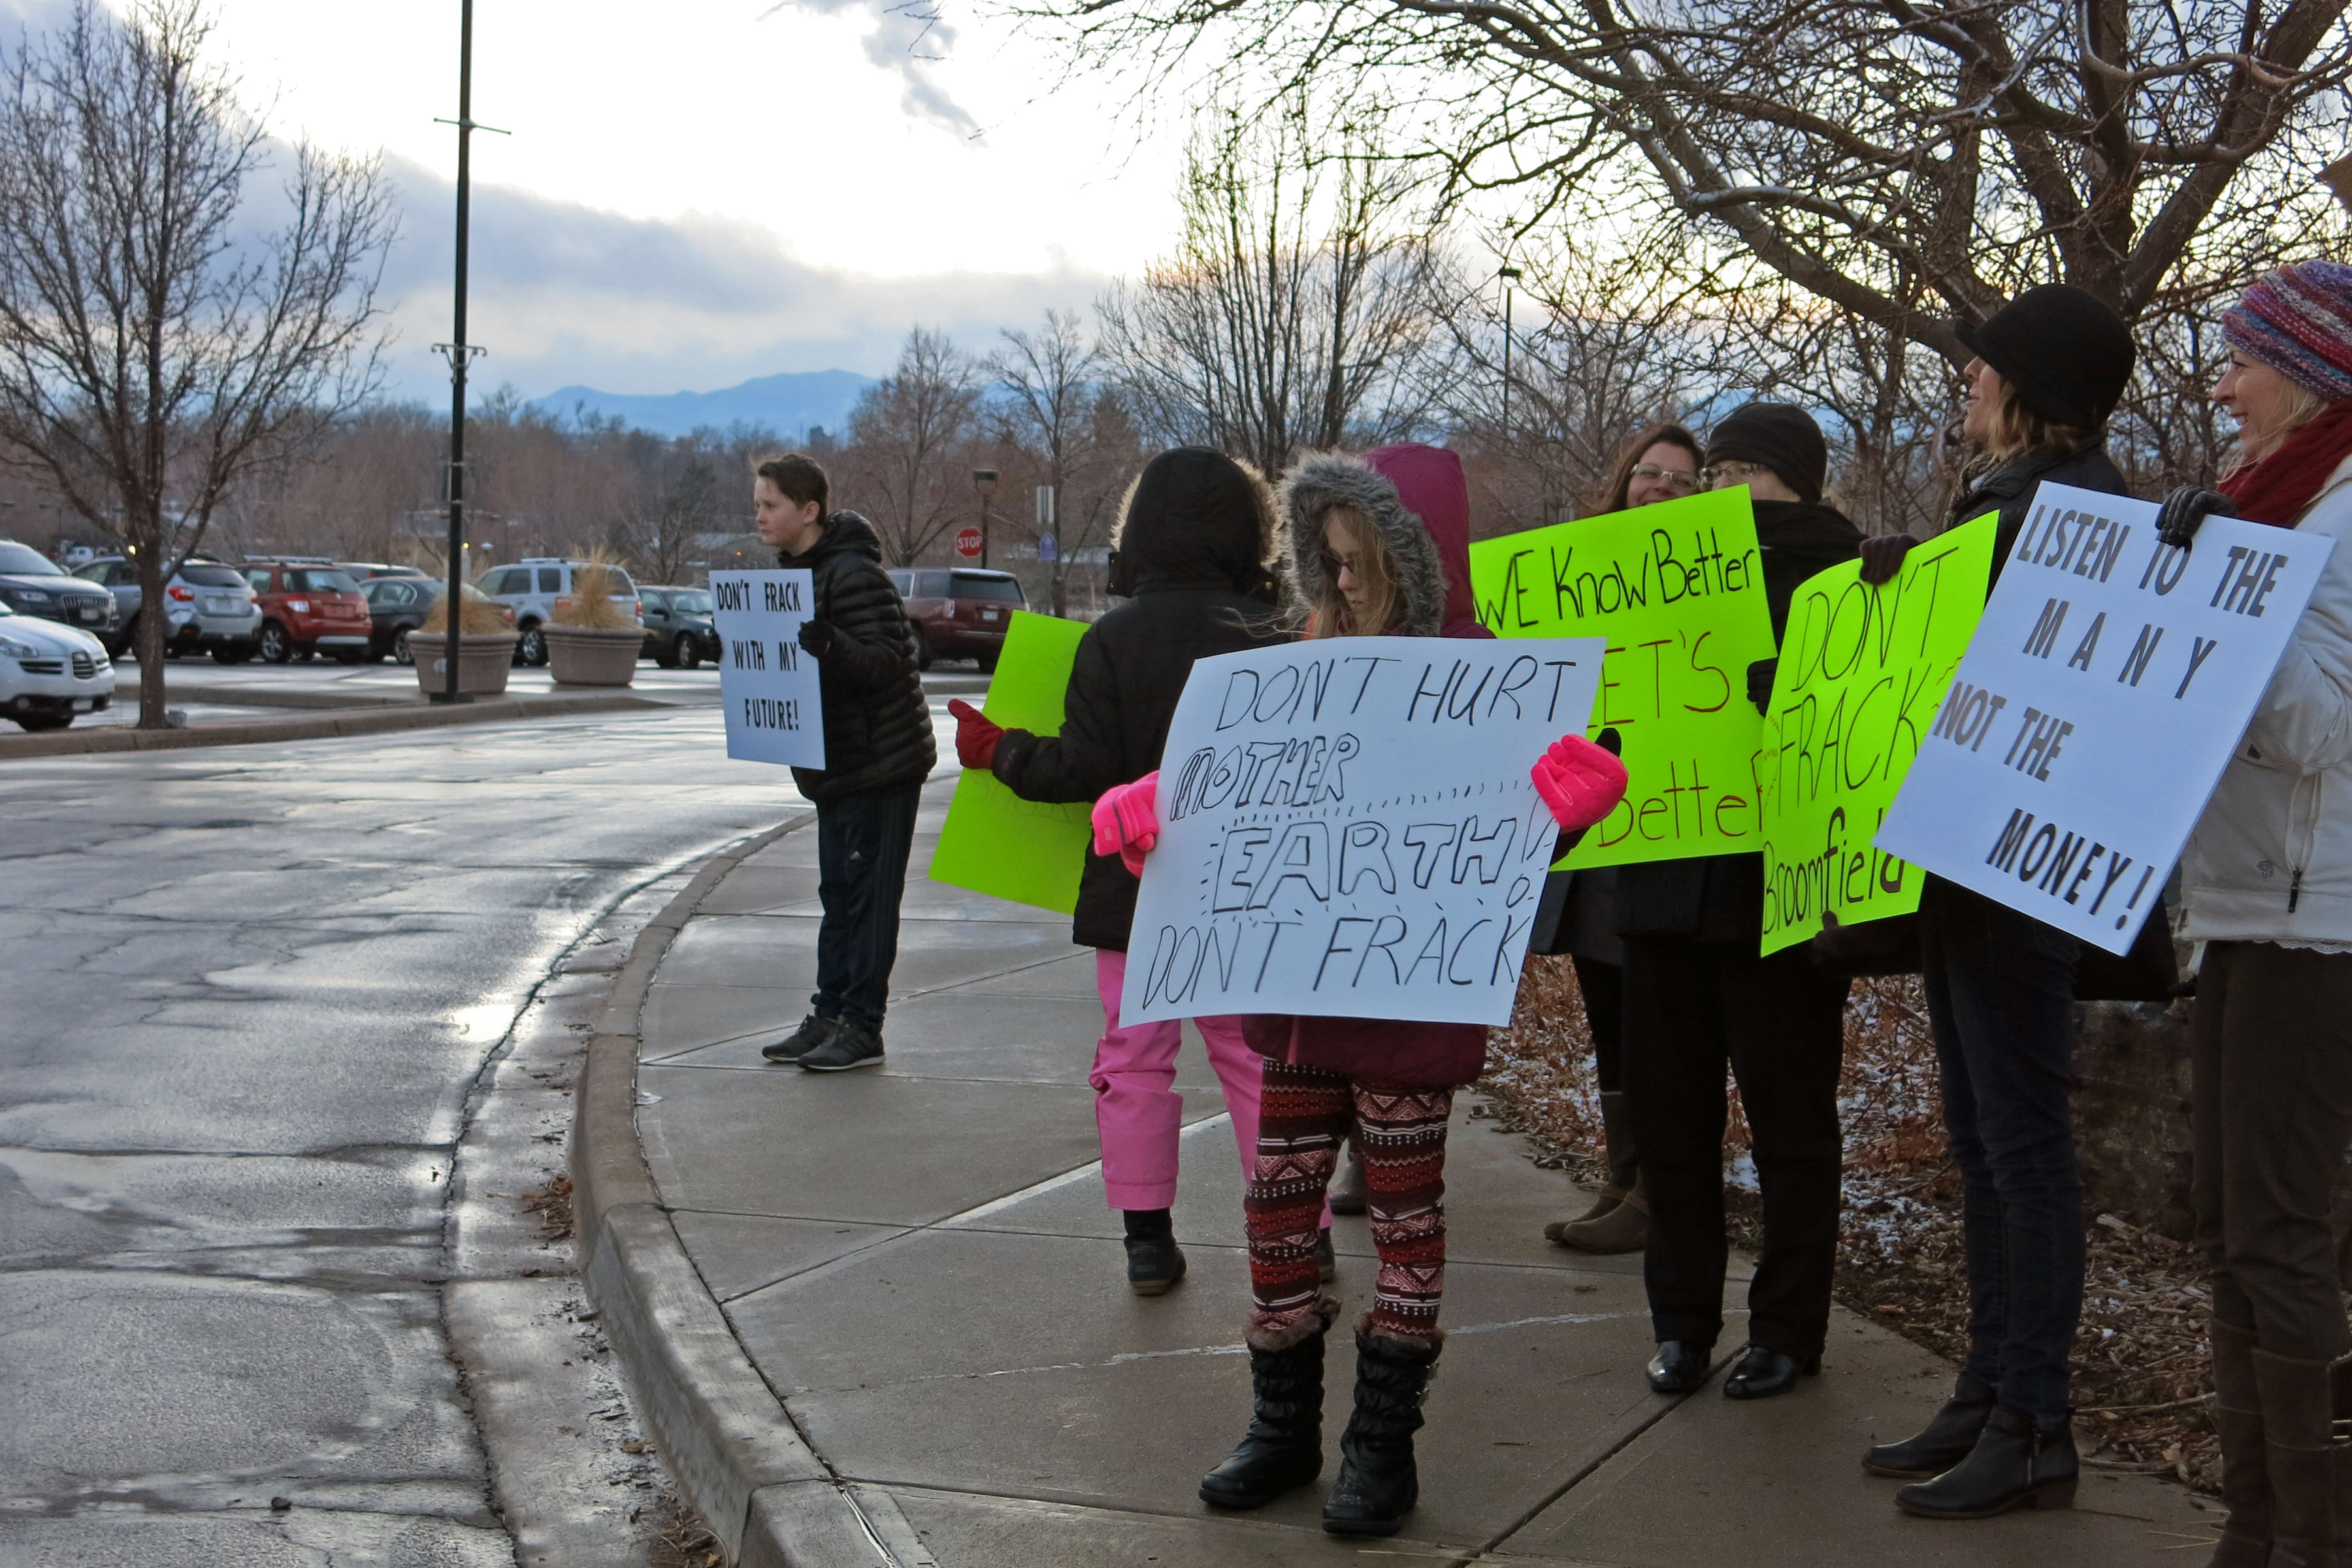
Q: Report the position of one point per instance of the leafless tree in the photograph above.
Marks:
(150, 353)
(1302, 305)
(905, 437)
(1054, 413)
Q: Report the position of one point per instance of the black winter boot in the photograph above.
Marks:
(1348, 1192)
(1378, 1484)
(2245, 1452)
(1284, 1447)
(2012, 1466)
(1947, 1439)
(1154, 1262)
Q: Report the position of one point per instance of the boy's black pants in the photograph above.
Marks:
(862, 846)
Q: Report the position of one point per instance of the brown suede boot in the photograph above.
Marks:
(2310, 1466)
(1348, 1192)
(1624, 1183)
(2245, 1465)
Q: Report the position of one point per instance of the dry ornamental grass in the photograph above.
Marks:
(2142, 1384)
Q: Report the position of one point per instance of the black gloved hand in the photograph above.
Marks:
(817, 637)
(1882, 556)
(1759, 683)
(2186, 510)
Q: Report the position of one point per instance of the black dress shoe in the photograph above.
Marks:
(2012, 1466)
(1679, 1366)
(1947, 1439)
(1762, 1373)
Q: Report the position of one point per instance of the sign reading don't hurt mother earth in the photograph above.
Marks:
(767, 682)
(1348, 829)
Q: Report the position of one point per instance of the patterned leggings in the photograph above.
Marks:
(1303, 1117)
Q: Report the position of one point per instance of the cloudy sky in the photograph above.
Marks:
(708, 190)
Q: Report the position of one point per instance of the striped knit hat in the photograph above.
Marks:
(2299, 321)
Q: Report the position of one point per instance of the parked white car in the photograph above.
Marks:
(49, 673)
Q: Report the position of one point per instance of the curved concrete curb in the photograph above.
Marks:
(341, 721)
(726, 1437)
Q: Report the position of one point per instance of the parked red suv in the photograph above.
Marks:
(960, 613)
(309, 607)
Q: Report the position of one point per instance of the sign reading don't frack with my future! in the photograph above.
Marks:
(1348, 829)
(2104, 688)
(1677, 592)
(767, 682)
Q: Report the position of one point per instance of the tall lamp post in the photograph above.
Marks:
(459, 353)
(1509, 274)
(984, 481)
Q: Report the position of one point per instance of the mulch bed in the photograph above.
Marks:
(2141, 1387)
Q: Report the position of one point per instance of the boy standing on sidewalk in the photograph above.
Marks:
(877, 750)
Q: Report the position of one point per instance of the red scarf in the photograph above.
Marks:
(2276, 489)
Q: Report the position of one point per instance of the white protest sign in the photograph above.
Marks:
(2104, 689)
(1348, 829)
(767, 682)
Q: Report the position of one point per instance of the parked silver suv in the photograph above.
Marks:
(535, 587)
(208, 608)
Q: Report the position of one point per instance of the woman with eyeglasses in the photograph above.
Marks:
(1378, 545)
(1660, 463)
(1698, 998)
(2049, 367)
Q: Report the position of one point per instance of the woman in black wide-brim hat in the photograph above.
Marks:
(2050, 368)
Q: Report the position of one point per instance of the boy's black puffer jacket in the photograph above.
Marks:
(877, 725)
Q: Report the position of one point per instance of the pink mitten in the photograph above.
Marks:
(1581, 782)
(1127, 818)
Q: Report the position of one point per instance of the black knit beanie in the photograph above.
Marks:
(2069, 356)
(1781, 437)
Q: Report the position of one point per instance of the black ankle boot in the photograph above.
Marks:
(1378, 1484)
(1944, 1442)
(2012, 1466)
(1154, 1261)
(1284, 1445)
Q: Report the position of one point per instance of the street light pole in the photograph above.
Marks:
(459, 353)
(984, 481)
(1509, 274)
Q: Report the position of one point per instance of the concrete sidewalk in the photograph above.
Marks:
(918, 1264)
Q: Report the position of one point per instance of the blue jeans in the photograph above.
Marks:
(862, 845)
(2001, 994)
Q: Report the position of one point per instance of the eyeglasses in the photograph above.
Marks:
(1335, 564)
(1719, 475)
(1678, 479)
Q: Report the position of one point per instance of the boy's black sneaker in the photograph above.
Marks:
(814, 1032)
(849, 1045)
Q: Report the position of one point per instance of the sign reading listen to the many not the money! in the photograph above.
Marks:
(1348, 829)
(767, 682)
(2108, 684)
(1677, 590)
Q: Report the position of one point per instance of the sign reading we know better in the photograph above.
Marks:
(767, 682)
(1677, 589)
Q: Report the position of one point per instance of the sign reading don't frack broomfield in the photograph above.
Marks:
(1677, 590)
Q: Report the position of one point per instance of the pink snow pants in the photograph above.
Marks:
(1137, 1112)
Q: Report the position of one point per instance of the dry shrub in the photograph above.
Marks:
(482, 616)
(592, 604)
(2141, 1374)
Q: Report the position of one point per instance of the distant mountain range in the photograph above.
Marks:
(787, 404)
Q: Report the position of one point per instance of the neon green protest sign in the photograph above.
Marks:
(1678, 591)
(1863, 670)
(993, 841)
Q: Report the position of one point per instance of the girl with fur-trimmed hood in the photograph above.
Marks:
(1193, 539)
(1377, 546)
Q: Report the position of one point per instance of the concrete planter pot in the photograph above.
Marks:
(483, 660)
(593, 655)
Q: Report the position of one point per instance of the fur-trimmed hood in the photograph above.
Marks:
(1417, 496)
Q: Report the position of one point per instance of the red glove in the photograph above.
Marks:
(1882, 556)
(1127, 819)
(976, 738)
(1580, 780)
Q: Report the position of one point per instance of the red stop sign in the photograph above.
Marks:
(967, 544)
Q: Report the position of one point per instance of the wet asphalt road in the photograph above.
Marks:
(242, 993)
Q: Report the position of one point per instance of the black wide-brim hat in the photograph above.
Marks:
(2067, 352)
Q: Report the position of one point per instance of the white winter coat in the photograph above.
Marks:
(2271, 860)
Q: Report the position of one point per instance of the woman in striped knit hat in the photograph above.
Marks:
(2266, 892)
